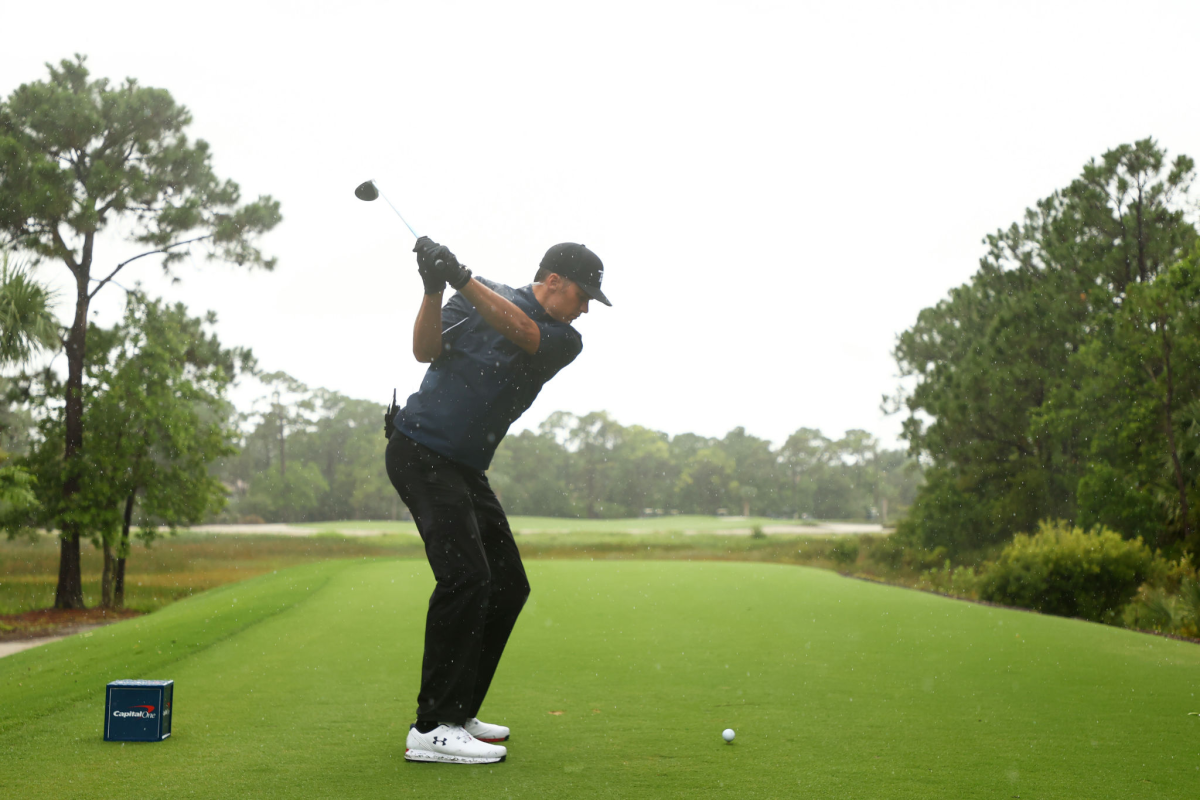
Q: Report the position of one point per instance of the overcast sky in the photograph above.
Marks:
(776, 189)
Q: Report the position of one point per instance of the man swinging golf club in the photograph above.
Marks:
(490, 350)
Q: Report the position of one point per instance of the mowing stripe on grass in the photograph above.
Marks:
(618, 682)
(60, 674)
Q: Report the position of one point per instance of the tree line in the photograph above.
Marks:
(592, 466)
(320, 457)
(1063, 380)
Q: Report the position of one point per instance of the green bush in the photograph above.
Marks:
(1170, 602)
(951, 580)
(844, 551)
(1068, 571)
(886, 551)
(1158, 610)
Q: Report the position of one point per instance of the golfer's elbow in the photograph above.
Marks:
(425, 353)
(529, 336)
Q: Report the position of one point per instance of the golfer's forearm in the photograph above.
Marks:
(509, 321)
(427, 332)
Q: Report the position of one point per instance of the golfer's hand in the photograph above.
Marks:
(435, 282)
(441, 263)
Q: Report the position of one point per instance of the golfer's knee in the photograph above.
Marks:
(511, 595)
(474, 581)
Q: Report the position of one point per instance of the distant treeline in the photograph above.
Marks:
(592, 466)
(1063, 381)
(319, 456)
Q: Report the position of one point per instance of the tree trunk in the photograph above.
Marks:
(69, 593)
(123, 553)
(106, 577)
(883, 512)
(745, 507)
(1180, 481)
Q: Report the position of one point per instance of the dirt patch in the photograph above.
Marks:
(58, 622)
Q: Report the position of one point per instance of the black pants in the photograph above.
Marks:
(481, 584)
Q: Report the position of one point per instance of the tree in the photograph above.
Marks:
(78, 156)
(755, 468)
(346, 442)
(1140, 383)
(642, 475)
(156, 413)
(862, 451)
(289, 497)
(989, 358)
(340, 437)
(528, 475)
(707, 481)
(801, 457)
(17, 498)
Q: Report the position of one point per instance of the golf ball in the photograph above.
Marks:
(728, 734)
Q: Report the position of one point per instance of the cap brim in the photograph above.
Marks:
(595, 293)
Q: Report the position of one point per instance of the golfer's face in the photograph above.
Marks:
(568, 302)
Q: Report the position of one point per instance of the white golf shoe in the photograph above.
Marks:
(486, 731)
(450, 744)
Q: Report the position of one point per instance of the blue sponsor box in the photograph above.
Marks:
(138, 711)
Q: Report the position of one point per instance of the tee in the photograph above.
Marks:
(482, 382)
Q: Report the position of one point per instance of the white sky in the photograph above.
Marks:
(776, 189)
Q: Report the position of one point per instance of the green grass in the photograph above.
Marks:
(682, 523)
(301, 684)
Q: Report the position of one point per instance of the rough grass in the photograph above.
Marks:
(172, 568)
(180, 566)
(301, 684)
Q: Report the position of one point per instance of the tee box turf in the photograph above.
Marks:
(138, 711)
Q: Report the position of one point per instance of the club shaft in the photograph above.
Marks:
(398, 214)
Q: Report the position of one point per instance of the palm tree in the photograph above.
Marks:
(26, 326)
(26, 323)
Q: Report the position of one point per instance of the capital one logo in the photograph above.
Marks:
(146, 713)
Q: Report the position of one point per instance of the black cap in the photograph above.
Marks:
(581, 265)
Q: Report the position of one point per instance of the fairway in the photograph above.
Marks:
(301, 684)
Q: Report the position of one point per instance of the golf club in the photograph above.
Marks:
(369, 190)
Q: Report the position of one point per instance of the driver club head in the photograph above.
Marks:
(367, 191)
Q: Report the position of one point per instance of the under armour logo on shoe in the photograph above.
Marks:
(443, 741)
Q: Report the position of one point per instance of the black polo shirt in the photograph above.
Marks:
(482, 382)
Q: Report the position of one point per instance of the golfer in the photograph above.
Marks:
(490, 350)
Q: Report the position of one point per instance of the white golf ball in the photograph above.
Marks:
(728, 734)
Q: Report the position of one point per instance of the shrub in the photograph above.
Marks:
(920, 558)
(1171, 604)
(957, 581)
(1157, 610)
(757, 532)
(1068, 571)
(844, 551)
(885, 552)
